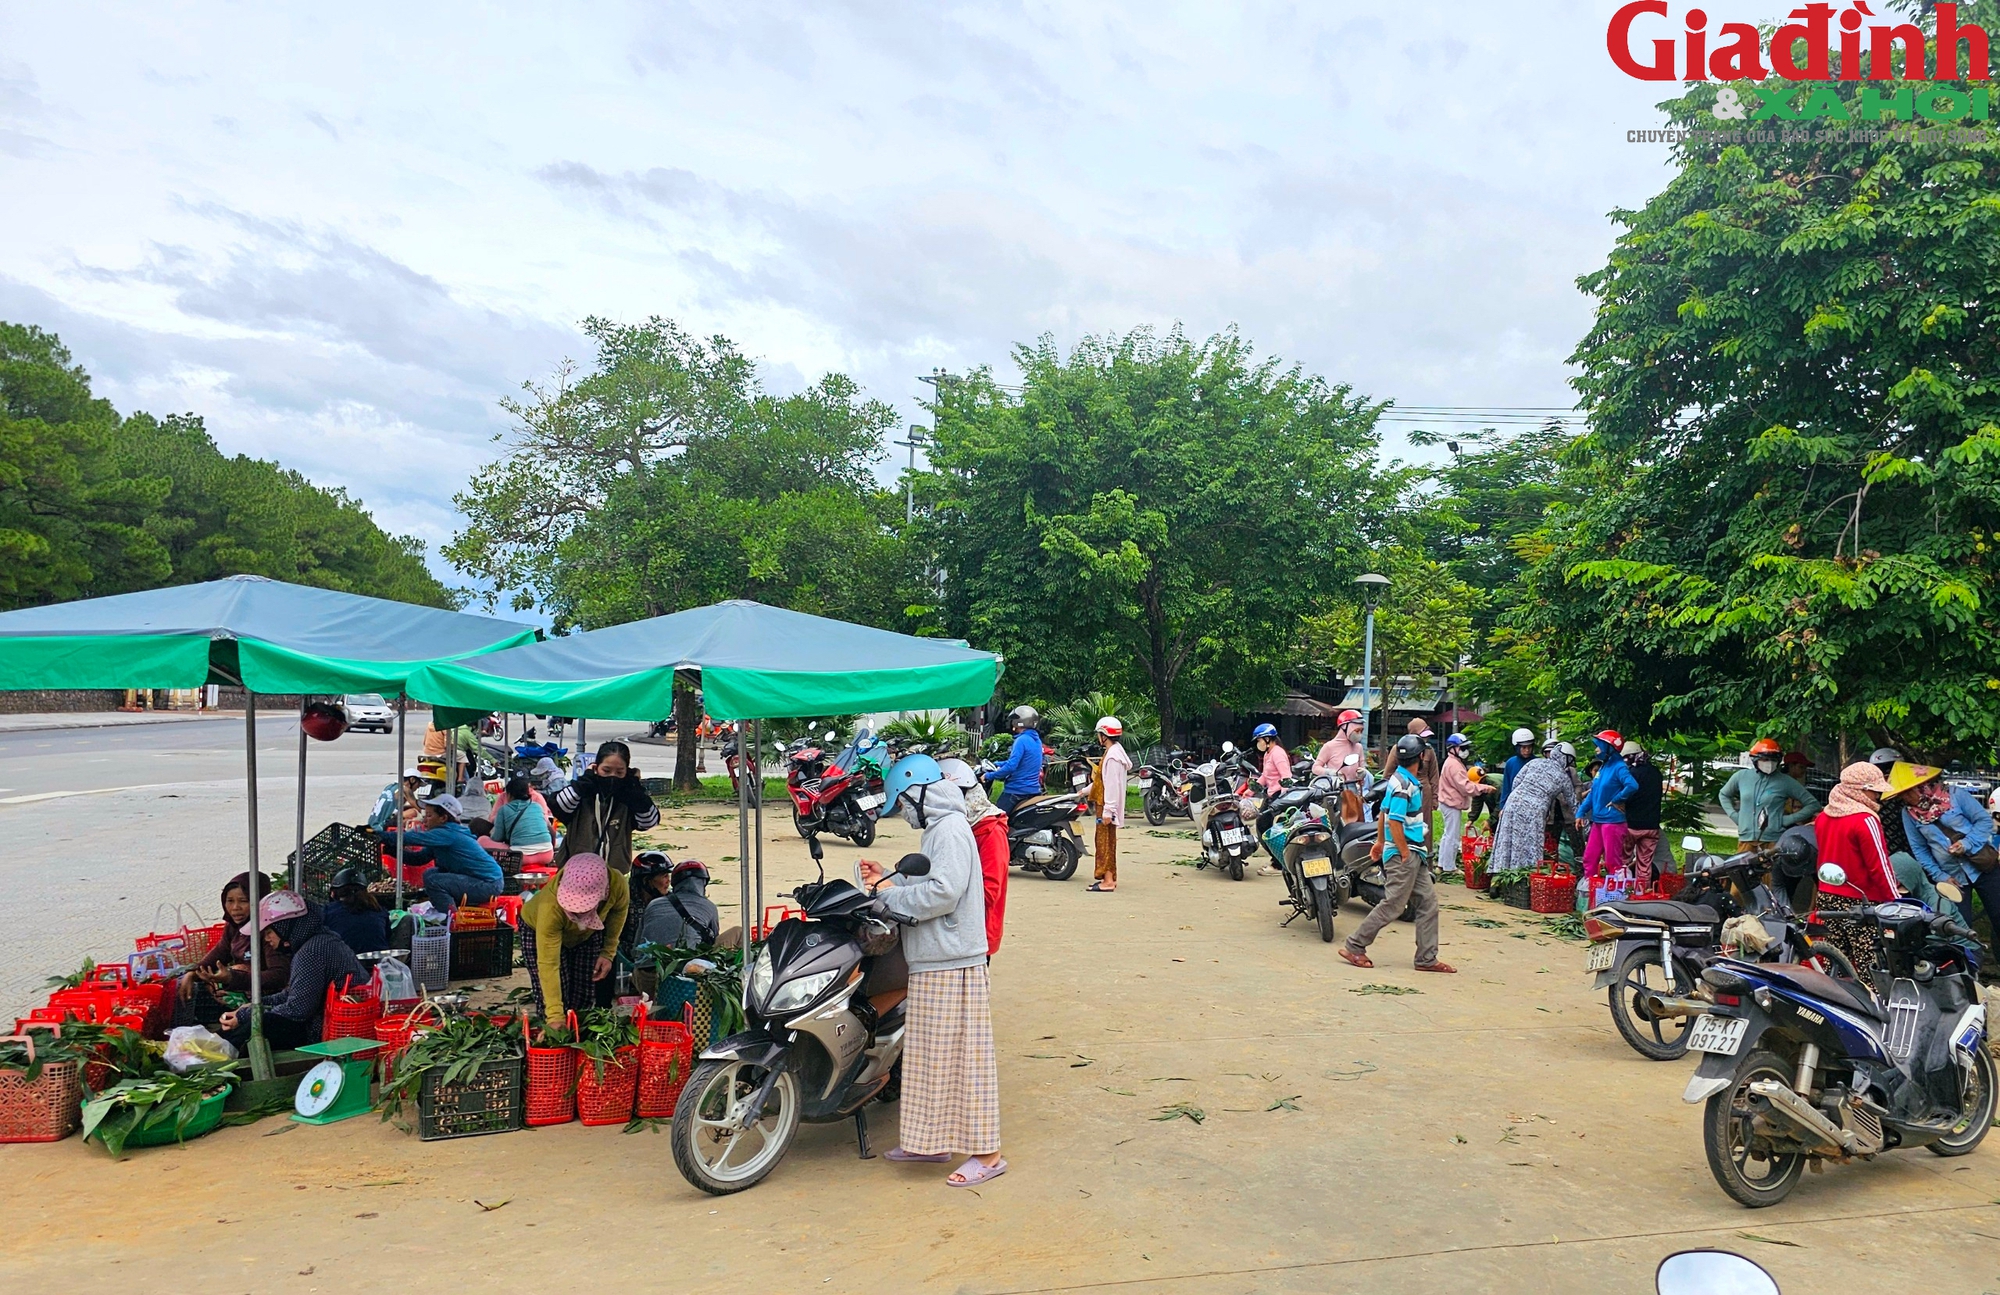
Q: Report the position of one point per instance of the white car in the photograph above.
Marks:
(368, 710)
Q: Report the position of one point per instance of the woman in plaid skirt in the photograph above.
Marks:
(951, 1075)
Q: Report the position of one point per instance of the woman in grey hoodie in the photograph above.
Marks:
(951, 1075)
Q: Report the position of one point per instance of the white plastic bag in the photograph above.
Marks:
(399, 983)
(190, 1046)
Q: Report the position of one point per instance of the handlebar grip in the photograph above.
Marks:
(1959, 932)
(901, 919)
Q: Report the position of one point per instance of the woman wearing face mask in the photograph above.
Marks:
(319, 958)
(1850, 834)
(951, 1075)
(603, 808)
(1755, 797)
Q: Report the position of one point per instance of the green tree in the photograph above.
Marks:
(1148, 514)
(1793, 472)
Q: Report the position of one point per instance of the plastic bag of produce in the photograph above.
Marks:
(196, 1045)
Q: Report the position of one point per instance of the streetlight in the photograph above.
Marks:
(917, 441)
(1372, 588)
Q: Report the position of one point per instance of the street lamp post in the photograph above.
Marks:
(1372, 588)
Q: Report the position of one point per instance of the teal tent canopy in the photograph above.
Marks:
(268, 636)
(756, 662)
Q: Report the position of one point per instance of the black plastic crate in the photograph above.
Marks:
(490, 1100)
(482, 954)
(336, 846)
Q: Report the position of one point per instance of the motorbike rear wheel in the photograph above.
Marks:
(709, 1150)
(1156, 810)
(864, 835)
(1823, 957)
(1750, 1177)
(1323, 910)
(1063, 866)
(1652, 1038)
(1976, 1109)
(1235, 868)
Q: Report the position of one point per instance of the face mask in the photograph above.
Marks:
(1767, 766)
(909, 813)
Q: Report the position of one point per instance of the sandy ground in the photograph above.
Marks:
(1489, 1132)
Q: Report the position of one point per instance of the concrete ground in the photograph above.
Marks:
(1488, 1132)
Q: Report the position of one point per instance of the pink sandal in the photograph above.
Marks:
(972, 1173)
(899, 1156)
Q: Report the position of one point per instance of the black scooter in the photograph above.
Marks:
(824, 1037)
(1042, 836)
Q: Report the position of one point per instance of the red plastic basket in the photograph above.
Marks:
(666, 1056)
(46, 1109)
(394, 1032)
(347, 1020)
(201, 939)
(1552, 892)
(608, 1100)
(551, 1081)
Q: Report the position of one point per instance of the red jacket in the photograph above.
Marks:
(990, 834)
(1854, 841)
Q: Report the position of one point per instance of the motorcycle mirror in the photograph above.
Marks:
(1694, 844)
(1229, 748)
(1352, 759)
(1712, 1272)
(1832, 874)
(829, 735)
(914, 865)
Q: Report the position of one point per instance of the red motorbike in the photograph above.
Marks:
(830, 794)
(732, 760)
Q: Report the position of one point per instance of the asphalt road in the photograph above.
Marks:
(96, 760)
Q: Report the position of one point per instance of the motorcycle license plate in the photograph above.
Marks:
(1719, 1034)
(869, 801)
(1600, 957)
(1234, 836)
(1317, 865)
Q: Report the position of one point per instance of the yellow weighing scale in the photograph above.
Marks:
(337, 1088)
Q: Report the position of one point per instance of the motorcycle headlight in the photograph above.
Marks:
(794, 994)
(760, 975)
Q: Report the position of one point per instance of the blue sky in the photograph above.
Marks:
(341, 234)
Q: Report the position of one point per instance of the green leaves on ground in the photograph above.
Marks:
(1181, 1111)
(1385, 989)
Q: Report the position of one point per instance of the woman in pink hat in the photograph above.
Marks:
(569, 931)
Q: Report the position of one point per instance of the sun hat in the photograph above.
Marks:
(581, 886)
(447, 804)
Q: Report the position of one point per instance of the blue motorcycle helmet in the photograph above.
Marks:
(911, 771)
(1264, 730)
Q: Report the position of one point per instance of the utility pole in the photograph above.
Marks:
(917, 441)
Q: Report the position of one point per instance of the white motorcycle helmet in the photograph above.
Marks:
(1523, 737)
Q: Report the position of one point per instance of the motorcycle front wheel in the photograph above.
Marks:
(1976, 1106)
(709, 1149)
(1751, 1175)
(799, 822)
(1652, 1038)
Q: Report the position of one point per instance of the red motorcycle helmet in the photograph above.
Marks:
(323, 721)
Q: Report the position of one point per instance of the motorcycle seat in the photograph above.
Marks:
(1666, 910)
(1841, 993)
(1356, 832)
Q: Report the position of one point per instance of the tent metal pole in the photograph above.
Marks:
(753, 767)
(402, 736)
(299, 834)
(743, 864)
(260, 1053)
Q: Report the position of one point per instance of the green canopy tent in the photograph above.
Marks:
(262, 635)
(755, 662)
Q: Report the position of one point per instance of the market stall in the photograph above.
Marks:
(755, 663)
(262, 635)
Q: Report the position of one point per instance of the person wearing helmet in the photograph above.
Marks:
(319, 960)
(1544, 791)
(951, 1073)
(989, 833)
(1755, 797)
(1642, 814)
(1399, 847)
(1524, 751)
(682, 916)
(1275, 766)
(353, 915)
(1426, 768)
(1602, 812)
(1020, 774)
(1886, 758)
(1457, 793)
(1108, 784)
(1332, 762)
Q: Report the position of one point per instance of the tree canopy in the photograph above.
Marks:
(93, 504)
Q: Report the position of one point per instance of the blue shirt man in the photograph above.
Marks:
(1968, 820)
(1403, 803)
(1020, 774)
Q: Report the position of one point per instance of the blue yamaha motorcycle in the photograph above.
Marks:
(1799, 1067)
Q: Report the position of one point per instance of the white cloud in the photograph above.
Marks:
(342, 235)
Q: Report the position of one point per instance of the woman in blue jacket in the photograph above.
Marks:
(1603, 808)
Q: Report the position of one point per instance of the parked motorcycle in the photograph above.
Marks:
(1302, 842)
(829, 795)
(1041, 832)
(1648, 955)
(1160, 788)
(1216, 793)
(823, 1037)
(731, 752)
(1799, 1067)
